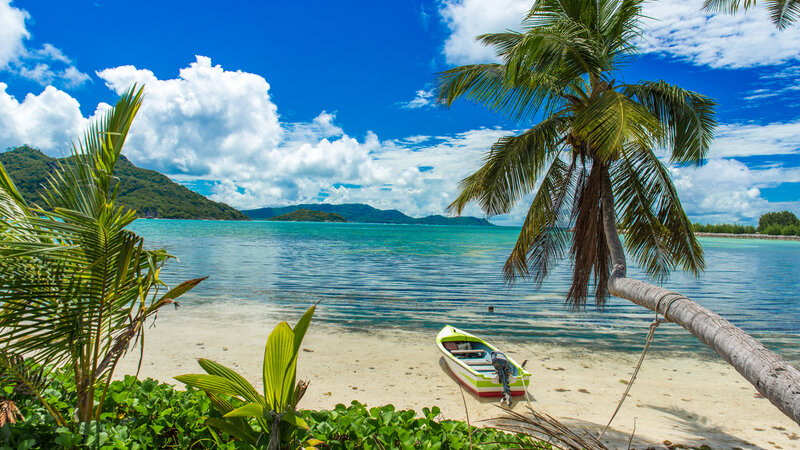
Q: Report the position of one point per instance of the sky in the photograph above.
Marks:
(272, 103)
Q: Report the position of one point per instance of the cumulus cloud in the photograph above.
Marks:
(467, 19)
(221, 128)
(46, 66)
(49, 121)
(727, 190)
(676, 28)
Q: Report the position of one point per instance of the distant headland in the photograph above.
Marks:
(361, 213)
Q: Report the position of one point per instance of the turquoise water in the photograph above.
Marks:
(419, 277)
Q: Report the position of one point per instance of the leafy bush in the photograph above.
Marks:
(357, 427)
(148, 414)
(775, 221)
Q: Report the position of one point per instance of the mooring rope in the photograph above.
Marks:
(650, 336)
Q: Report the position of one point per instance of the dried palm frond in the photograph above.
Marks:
(9, 412)
(547, 428)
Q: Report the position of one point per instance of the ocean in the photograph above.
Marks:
(421, 277)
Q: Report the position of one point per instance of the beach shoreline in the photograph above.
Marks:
(681, 399)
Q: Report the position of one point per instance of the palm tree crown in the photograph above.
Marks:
(596, 130)
(782, 13)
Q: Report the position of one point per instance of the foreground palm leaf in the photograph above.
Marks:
(276, 406)
(783, 13)
(76, 286)
(593, 159)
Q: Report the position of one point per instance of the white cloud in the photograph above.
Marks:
(12, 32)
(679, 28)
(469, 18)
(47, 65)
(737, 140)
(676, 28)
(422, 99)
(727, 190)
(213, 125)
(50, 120)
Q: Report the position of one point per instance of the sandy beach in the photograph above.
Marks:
(678, 399)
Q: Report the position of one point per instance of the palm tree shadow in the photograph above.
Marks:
(518, 401)
(691, 423)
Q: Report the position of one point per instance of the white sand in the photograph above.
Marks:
(680, 399)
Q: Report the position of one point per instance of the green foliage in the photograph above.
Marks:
(308, 215)
(147, 414)
(777, 221)
(274, 410)
(726, 228)
(359, 427)
(361, 213)
(76, 286)
(147, 192)
(137, 415)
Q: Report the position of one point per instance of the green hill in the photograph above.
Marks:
(308, 215)
(361, 213)
(146, 191)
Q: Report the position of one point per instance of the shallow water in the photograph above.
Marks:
(420, 277)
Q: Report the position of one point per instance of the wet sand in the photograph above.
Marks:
(682, 400)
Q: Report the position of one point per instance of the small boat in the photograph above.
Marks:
(474, 362)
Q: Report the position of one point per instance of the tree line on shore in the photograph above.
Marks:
(783, 223)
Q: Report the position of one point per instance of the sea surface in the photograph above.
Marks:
(421, 277)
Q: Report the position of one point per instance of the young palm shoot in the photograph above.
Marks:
(274, 409)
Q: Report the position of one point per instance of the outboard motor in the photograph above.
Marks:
(503, 367)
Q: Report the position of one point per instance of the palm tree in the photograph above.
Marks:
(782, 12)
(592, 162)
(76, 286)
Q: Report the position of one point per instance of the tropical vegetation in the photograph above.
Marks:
(76, 287)
(724, 228)
(308, 215)
(145, 414)
(783, 223)
(147, 192)
(591, 161)
(274, 411)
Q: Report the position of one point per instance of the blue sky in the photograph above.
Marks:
(270, 103)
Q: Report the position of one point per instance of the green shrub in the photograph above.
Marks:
(147, 414)
(357, 427)
(777, 221)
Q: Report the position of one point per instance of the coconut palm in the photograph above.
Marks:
(76, 286)
(782, 12)
(594, 163)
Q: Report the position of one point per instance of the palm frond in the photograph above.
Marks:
(783, 13)
(614, 120)
(520, 96)
(589, 251)
(511, 168)
(27, 378)
(659, 235)
(687, 118)
(543, 238)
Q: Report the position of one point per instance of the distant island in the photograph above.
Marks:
(361, 213)
(148, 192)
(308, 215)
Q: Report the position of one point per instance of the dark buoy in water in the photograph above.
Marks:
(491, 309)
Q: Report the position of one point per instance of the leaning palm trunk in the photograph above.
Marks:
(772, 376)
